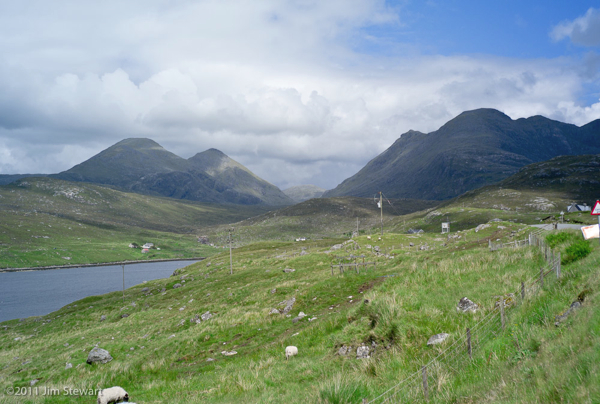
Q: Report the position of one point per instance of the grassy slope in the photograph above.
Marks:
(89, 223)
(169, 361)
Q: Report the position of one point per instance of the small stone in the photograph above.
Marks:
(206, 316)
(289, 270)
(102, 317)
(33, 382)
(344, 350)
(68, 365)
(145, 290)
(177, 285)
(362, 352)
(301, 315)
(124, 315)
(228, 353)
(437, 338)
(273, 291)
(465, 305)
(274, 311)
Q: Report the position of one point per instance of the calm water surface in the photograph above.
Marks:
(36, 293)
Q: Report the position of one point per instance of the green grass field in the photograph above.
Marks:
(160, 356)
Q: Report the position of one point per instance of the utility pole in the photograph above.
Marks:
(230, 253)
(381, 208)
(123, 267)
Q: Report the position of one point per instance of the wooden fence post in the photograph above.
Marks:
(469, 343)
(502, 318)
(522, 290)
(425, 386)
(558, 266)
(541, 277)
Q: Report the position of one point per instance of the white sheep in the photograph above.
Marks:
(290, 351)
(112, 395)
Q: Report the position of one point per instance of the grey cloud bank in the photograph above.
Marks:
(278, 86)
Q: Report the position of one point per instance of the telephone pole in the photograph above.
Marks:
(230, 253)
(381, 208)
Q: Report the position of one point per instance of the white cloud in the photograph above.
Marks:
(275, 85)
(584, 30)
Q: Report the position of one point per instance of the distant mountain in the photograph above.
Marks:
(6, 179)
(550, 186)
(301, 193)
(144, 166)
(474, 149)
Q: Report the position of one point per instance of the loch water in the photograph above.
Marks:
(36, 293)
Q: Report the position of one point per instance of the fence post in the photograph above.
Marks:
(541, 277)
(522, 290)
(331, 269)
(558, 266)
(502, 318)
(469, 343)
(425, 386)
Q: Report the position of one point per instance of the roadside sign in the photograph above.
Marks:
(596, 209)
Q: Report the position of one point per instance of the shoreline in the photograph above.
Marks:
(99, 264)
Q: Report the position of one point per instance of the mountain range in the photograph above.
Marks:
(477, 148)
(143, 166)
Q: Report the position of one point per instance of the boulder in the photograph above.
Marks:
(273, 291)
(274, 311)
(196, 319)
(296, 319)
(301, 315)
(336, 247)
(125, 315)
(177, 285)
(465, 305)
(437, 338)
(102, 317)
(362, 352)
(68, 366)
(228, 353)
(145, 290)
(99, 355)
(206, 316)
(289, 270)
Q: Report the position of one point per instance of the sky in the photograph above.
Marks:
(300, 92)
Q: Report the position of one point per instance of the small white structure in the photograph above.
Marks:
(445, 227)
(148, 245)
(578, 208)
(290, 351)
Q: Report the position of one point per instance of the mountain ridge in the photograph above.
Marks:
(142, 165)
(474, 149)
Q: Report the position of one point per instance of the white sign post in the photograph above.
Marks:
(596, 212)
(445, 227)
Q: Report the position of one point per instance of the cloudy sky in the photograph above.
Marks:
(300, 92)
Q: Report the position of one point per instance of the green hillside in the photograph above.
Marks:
(52, 222)
(393, 308)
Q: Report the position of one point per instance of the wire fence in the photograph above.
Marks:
(448, 363)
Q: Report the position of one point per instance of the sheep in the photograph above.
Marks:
(112, 395)
(290, 351)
